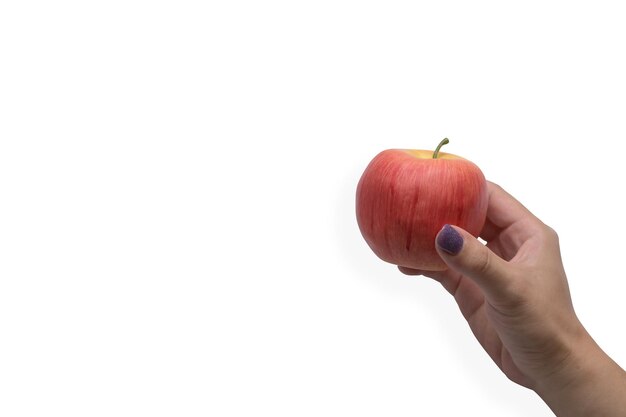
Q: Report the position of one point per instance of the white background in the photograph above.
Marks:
(177, 178)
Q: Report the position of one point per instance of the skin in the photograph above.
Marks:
(514, 294)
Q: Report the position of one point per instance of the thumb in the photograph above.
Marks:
(463, 253)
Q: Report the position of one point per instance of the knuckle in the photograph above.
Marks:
(551, 234)
(513, 298)
(495, 188)
(496, 185)
(509, 287)
(483, 262)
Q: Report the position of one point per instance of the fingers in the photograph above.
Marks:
(467, 256)
(440, 276)
(409, 271)
(503, 211)
(449, 279)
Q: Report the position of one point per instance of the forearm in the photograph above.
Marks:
(592, 385)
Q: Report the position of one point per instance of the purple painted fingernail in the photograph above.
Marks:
(449, 240)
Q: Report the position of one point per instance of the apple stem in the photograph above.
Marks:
(443, 142)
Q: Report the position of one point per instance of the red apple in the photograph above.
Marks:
(406, 196)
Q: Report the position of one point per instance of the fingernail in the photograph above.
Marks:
(449, 240)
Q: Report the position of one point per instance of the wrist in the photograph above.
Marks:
(575, 367)
(585, 383)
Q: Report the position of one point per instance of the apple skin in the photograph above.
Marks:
(405, 197)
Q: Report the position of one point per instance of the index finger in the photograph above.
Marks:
(503, 211)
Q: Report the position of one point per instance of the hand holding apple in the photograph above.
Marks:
(405, 197)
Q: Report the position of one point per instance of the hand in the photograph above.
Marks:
(513, 292)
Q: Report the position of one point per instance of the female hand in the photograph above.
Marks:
(513, 292)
